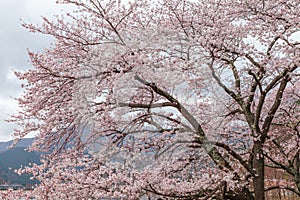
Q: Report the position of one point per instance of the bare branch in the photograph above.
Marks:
(237, 98)
(153, 105)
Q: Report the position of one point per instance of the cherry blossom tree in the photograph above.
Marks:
(169, 99)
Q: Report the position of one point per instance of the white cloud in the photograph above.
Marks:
(14, 40)
(8, 106)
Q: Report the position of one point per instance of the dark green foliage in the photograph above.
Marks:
(14, 158)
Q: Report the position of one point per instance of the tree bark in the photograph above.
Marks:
(259, 170)
(297, 174)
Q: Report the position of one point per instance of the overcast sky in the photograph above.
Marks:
(14, 42)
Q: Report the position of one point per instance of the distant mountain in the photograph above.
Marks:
(14, 158)
(25, 142)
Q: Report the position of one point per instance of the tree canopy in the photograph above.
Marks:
(174, 99)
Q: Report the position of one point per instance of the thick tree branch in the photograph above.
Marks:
(188, 128)
(236, 156)
(279, 165)
(231, 93)
(272, 44)
(153, 105)
(274, 108)
(201, 137)
(276, 80)
(257, 80)
(256, 64)
(235, 75)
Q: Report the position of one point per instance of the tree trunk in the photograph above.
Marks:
(258, 166)
(297, 174)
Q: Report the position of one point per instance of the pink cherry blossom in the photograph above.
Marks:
(165, 99)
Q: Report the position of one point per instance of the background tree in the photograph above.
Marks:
(165, 99)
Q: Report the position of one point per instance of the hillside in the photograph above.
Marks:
(25, 142)
(11, 159)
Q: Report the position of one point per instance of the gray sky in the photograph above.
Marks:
(14, 42)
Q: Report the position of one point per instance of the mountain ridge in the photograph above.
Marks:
(25, 142)
(15, 157)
